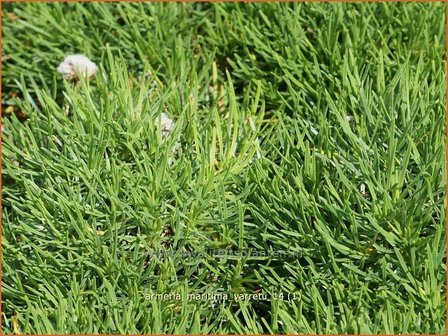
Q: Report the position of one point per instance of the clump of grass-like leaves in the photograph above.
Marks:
(306, 162)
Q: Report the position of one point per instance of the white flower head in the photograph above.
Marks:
(74, 67)
(167, 124)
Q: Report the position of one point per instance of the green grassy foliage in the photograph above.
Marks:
(315, 130)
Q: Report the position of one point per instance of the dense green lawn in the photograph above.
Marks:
(307, 159)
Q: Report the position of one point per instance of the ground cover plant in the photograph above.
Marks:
(306, 163)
